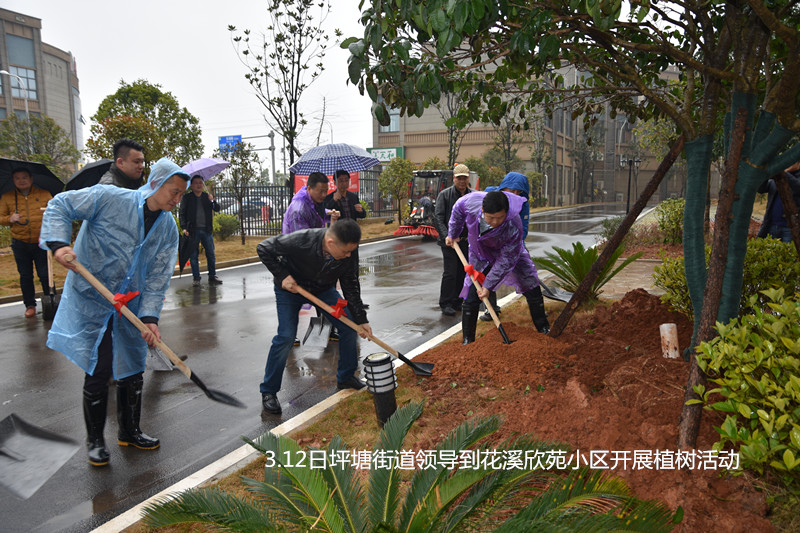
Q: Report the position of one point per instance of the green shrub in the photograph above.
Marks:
(768, 263)
(755, 365)
(669, 214)
(365, 205)
(609, 227)
(225, 225)
(572, 266)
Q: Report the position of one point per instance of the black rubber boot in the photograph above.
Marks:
(536, 308)
(94, 414)
(129, 410)
(469, 323)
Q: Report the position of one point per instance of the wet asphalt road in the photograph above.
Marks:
(225, 331)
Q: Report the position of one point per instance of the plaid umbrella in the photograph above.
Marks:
(329, 158)
(206, 167)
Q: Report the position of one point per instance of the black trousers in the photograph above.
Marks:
(452, 275)
(27, 255)
(98, 382)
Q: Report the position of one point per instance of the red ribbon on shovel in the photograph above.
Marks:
(477, 275)
(339, 308)
(123, 299)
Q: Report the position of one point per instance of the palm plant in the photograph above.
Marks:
(333, 498)
(572, 266)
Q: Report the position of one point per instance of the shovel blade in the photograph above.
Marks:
(33, 455)
(318, 332)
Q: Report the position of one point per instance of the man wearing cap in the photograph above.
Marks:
(453, 271)
(129, 241)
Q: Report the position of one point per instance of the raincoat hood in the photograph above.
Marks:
(160, 172)
(515, 180)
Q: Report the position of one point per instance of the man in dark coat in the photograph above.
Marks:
(453, 271)
(343, 200)
(315, 259)
(775, 223)
(126, 170)
(195, 215)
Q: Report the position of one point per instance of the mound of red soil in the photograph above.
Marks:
(602, 385)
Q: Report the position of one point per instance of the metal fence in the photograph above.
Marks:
(263, 206)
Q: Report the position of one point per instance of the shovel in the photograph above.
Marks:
(322, 336)
(50, 302)
(30, 455)
(420, 369)
(489, 306)
(555, 293)
(215, 395)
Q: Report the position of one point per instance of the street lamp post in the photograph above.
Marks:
(630, 163)
(27, 113)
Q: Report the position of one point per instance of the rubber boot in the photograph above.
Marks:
(129, 409)
(469, 323)
(536, 308)
(94, 414)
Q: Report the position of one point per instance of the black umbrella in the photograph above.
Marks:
(184, 250)
(89, 175)
(42, 176)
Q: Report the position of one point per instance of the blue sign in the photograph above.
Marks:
(229, 141)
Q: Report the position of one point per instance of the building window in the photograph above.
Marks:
(28, 89)
(394, 122)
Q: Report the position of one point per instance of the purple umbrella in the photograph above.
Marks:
(206, 167)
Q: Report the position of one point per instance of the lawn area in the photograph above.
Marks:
(228, 250)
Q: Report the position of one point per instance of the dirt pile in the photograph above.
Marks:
(602, 385)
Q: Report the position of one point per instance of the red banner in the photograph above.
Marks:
(301, 179)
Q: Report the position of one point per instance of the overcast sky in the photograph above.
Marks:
(185, 47)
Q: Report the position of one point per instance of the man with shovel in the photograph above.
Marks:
(314, 259)
(496, 251)
(129, 240)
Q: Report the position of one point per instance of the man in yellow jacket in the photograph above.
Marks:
(22, 209)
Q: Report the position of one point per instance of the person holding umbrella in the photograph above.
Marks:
(195, 216)
(22, 209)
(129, 241)
(128, 166)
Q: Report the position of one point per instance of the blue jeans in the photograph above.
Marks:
(27, 255)
(782, 233)
(288, 305)
(201, 236)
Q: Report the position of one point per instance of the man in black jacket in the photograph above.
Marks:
(126, 170)
(453, 272)
(314, 259)
(342, 200)
(195, 218)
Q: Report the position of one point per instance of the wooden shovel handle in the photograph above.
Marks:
(97, 284)
(322, 305)
(475, 282)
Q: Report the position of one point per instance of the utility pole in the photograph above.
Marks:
(271, 136)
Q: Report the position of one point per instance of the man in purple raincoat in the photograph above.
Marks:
(496, 249)
(306, 210)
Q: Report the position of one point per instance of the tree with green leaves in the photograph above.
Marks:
(448, 108)
(41, 140)
(242, 172)
(435, 163)
(333, 498)
(182, 141)
(111, 129)
(284, 61)
(394, 180)
(739, 61)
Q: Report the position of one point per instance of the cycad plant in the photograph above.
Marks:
(573, 266)
(478, 497)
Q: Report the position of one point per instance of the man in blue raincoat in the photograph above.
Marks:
(496, 250)
(129, 241)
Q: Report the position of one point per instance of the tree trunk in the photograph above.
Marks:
(689, 424)
(584, 288)
(790, 208)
